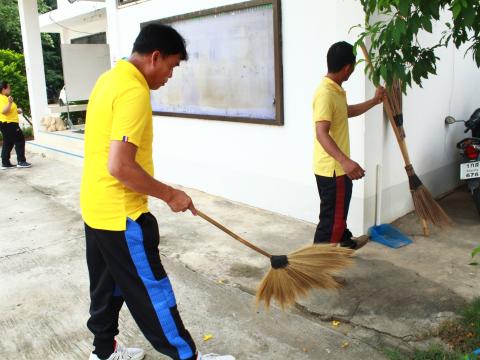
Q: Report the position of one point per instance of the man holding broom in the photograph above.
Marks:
(334, 169)
(121, 234)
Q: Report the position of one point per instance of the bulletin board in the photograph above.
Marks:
(82, 65)
(234, 70)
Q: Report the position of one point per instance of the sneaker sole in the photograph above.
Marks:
(24, 167)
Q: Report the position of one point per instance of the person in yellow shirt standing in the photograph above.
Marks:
(334, 169)
(10, 128)
(122, 236)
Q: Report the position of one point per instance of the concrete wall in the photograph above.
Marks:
(265, 166)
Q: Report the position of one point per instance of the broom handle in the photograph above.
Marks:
(389, 111)
(232, 234)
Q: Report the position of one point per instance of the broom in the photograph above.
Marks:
(292, 276)
(425, 205)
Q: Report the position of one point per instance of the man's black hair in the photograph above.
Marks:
(339, 55)
(3, 85)
(160, 37)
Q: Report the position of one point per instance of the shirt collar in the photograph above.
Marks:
(127, 66)
(334, 85)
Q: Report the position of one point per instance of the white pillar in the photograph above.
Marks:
(112, 30)
(32, 49)
(65, 37)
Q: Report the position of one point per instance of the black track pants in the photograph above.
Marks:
(125, 266)
(12, 136)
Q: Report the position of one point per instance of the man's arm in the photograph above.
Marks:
(122, 166)
(359, 109)
(351, 168)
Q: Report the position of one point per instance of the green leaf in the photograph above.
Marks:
(402, 26)
(469, 18)
(475, 251)
(457, 9)
(427, 24)
(404, 7)
(383, 71)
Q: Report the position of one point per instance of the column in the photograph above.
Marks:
(32, 49)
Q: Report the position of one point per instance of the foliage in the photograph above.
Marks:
(394, 28)
(12, 70)
(462, 336)
(27, 131)
(76, 117)
(12, 39)
(433, 353)
(475, 252)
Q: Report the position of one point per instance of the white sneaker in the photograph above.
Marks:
(122, 353)
(214, 357)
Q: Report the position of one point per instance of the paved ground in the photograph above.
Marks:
(393, 297)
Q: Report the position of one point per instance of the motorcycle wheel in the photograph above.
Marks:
(476, 198)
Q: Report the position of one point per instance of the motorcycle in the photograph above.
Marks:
(470, 153)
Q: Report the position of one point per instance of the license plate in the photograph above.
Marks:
(470, 170)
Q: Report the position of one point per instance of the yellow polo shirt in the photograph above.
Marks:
(118, 109)
(12, 115)
(330, 104)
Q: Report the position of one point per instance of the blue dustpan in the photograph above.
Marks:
(389, 236)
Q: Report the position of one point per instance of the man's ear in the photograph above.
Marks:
(349, 68)
(155, 57)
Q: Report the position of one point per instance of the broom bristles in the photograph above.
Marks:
(425, 205)
(427, 208)
(311, 267)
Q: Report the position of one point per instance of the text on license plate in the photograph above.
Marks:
(470, 170)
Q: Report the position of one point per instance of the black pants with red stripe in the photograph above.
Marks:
(335, 195)
(125, 266)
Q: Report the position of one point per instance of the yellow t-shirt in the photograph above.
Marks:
(119, 109)
(12, 115)
(330, 104)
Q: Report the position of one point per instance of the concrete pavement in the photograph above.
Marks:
(393, 297)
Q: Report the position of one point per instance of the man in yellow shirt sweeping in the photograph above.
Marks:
(122, 236)
(334, 169)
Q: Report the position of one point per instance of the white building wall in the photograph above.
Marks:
(264, 166)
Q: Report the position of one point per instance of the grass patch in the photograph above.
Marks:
(462, 336)
(434, 353)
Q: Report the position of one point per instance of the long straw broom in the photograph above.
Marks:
(426, 207)
(292, 276)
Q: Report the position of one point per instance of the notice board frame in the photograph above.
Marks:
(277, 52)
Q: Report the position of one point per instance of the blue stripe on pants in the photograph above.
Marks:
(160, 291)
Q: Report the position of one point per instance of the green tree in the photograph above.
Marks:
(12, 70)
(11, 39)
(394, 28)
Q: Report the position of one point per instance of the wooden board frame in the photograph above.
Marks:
(277, 48)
